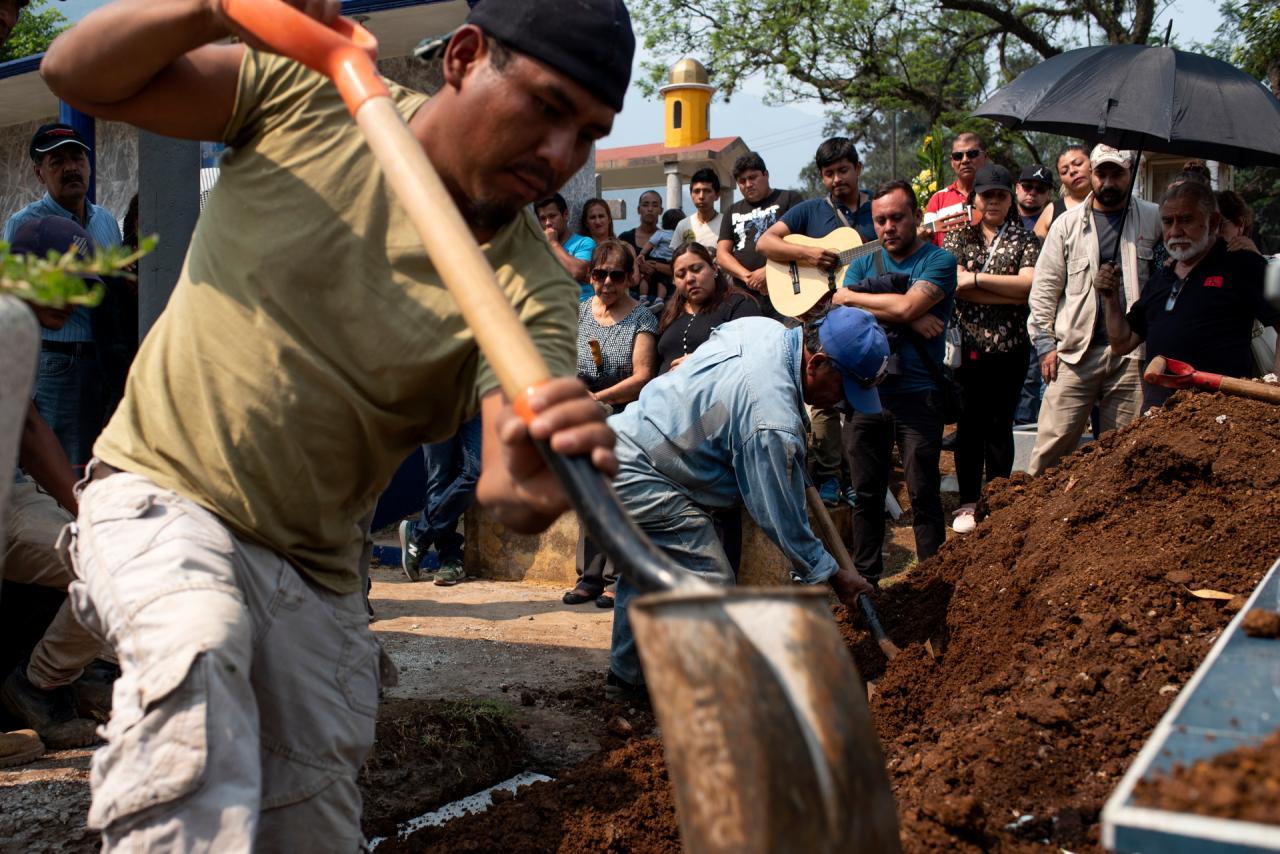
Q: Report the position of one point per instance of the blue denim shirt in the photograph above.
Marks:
(727, 426)
(103, 230)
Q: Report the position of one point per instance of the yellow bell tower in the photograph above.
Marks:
(688, 104)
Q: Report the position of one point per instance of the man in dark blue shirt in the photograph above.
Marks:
(912, 413)
(844, 206)
(1200, 309)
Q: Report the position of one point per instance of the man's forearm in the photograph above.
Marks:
(575, 267)
(730, 264)
(1119, 334)
(41, 456)
(889, 308)
(772, 246)
(118, 49)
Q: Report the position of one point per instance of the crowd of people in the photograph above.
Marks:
(217, 567)
(1004, 302)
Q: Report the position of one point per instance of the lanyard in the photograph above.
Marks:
(995, 244)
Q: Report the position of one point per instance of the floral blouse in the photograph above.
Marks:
(992, 328)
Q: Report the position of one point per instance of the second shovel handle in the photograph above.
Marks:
(1251, 389)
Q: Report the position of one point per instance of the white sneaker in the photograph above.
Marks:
(964, 522)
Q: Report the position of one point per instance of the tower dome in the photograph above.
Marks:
(687, 98)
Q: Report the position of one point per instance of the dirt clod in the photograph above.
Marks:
(1261, 623)
(1242, 784)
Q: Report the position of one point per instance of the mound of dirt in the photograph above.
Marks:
(1242, 784)
(1057, 635)
(1066, 625)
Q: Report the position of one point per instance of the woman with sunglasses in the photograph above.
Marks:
(1074, 173)
(704, 299)
(616, 358)
(997, 259)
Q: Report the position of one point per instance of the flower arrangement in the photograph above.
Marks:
(931, 158)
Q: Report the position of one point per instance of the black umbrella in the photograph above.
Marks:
(1140, 97)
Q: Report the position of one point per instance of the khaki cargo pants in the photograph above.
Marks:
(247, 697)
(36, 521)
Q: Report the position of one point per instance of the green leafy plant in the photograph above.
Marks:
(56, 279)
(36, 29)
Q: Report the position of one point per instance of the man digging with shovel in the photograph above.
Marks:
(307, 349)
(727, 427)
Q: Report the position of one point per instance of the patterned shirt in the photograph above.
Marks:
(617, 343)
(993, 328)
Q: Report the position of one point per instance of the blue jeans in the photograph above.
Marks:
(69, 393)
(453, 466)
(1028, 411)
(687, 534)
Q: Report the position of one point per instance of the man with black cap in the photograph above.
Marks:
(1034, 188)
(704, 439)
(308, 348)
(70, 386)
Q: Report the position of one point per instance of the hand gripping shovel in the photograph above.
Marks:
(835, 545)
(1171, 373)
(767, 735)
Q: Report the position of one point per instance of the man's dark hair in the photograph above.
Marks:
(748, 162)
(812, 324)
(1198, 192)
(889, 186)
(557, 200)
(834, 150)
(671, 218)
(499, 53)
(706, 175)
(1194, 175)
(968, 134)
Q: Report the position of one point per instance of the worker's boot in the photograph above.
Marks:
(52, 713)
(19, 748)
(92, 691)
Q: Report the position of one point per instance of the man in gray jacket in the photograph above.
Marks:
(1068, 322)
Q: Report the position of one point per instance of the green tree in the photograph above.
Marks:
(1249, 36)
(868, 59)
(36, 29)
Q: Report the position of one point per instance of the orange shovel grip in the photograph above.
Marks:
(344, 52)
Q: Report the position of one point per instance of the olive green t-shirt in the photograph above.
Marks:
(309, 345)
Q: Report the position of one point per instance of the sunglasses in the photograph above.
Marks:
(972, 154)
(599, 274)
(1033, 187)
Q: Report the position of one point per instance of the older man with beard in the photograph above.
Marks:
(1200, 309)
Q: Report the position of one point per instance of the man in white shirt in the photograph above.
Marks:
(704, 225)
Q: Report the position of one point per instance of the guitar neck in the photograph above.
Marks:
(847, 257)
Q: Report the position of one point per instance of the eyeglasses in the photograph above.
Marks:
(599, 274)
(972, 154)
(1033, 187)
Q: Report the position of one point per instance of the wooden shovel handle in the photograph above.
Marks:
(1250, 388)
(345, 53)
(827, 529)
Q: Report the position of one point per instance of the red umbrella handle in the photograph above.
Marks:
(344, 51)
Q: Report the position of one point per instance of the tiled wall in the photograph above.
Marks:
(117, 163)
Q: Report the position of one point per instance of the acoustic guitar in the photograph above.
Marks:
(795, 288)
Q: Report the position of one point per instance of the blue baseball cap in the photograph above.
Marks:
(38, 236)
(857, 346)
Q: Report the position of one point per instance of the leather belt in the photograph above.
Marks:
(69, 348)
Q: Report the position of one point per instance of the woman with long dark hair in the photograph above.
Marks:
(1074, 173)
(704, 298)
(996, 261)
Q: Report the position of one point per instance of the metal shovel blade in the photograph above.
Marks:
(764, 722)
